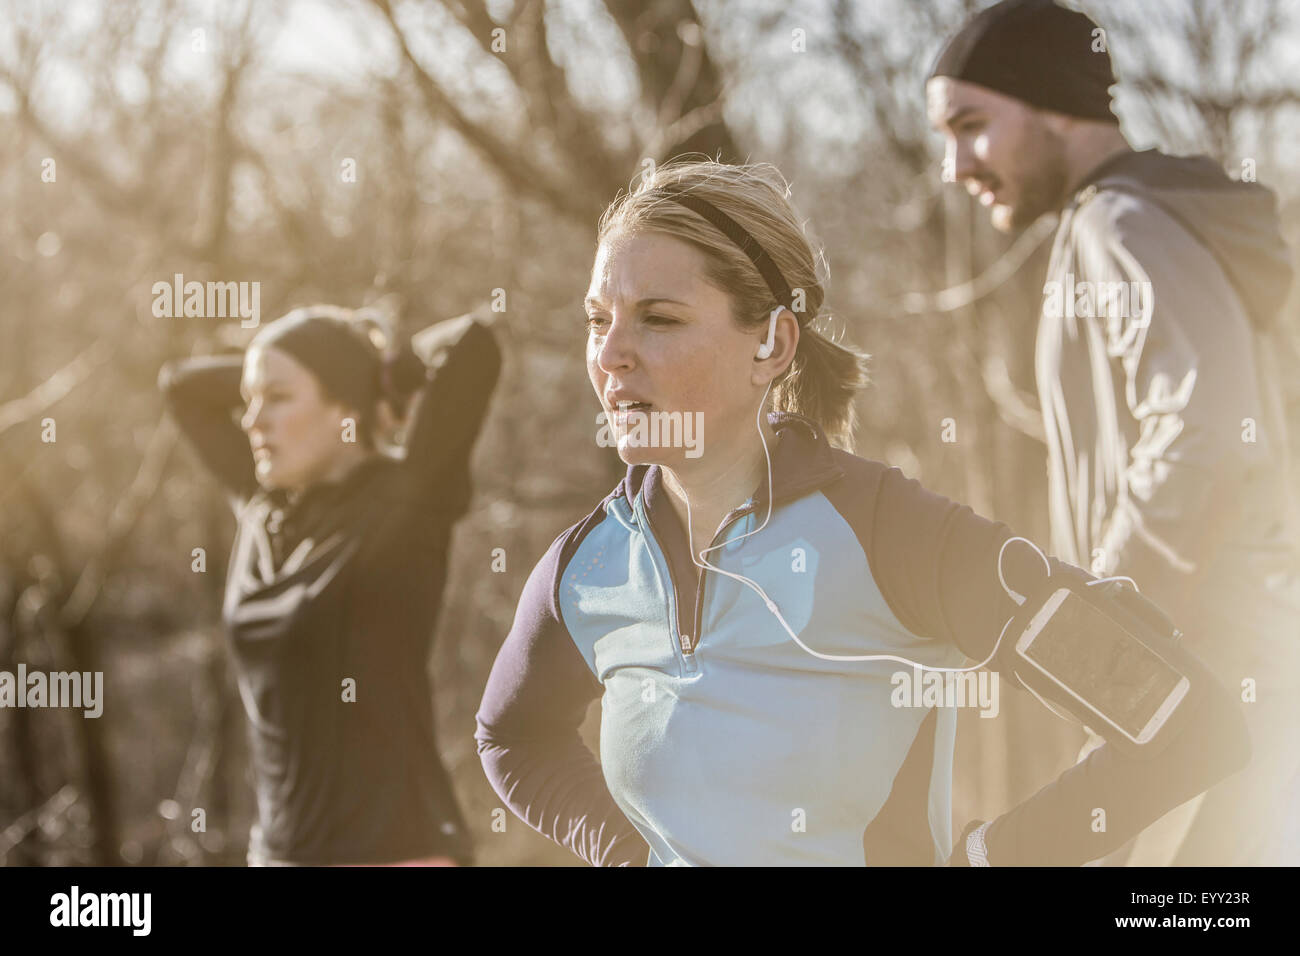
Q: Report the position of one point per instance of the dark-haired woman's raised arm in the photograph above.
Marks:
(466, 363)
(203, 396)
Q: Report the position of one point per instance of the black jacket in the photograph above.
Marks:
(345, 585)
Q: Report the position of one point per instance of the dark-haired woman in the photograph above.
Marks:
(337, 571)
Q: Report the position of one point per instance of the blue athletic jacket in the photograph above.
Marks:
(723, 742)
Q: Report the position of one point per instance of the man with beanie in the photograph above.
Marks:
(1156, 372)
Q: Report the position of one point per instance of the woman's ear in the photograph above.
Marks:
(782, 330)
(341, 413)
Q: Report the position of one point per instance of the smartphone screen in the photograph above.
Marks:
(1103, 664)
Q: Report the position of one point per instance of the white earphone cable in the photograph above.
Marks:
(772, 607)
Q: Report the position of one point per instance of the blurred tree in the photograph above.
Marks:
(563, 152)
(469, 152)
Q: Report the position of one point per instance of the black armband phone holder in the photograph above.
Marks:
(1110, 657)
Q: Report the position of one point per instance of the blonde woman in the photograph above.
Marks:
(721, 604)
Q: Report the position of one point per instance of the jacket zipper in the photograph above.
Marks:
(689, 643)
(685, 642)
(672, 578)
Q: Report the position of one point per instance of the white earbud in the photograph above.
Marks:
(765, 350)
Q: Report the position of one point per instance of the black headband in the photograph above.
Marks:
(734, 231)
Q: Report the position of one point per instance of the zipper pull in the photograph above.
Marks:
(686, 644)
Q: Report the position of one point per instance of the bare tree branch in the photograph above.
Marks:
(966, 293)
(130, 506)
(1206, 102)
(54, 388)
(667, 44)
(686, 75)
(58, 803)
(508, 160)
(1015, 408)
(668, 138)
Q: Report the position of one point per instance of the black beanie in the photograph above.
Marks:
(1036, 52)
(334, 350)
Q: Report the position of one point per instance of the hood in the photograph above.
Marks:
(1236, 221)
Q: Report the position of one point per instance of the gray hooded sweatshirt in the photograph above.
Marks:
(1157, 372)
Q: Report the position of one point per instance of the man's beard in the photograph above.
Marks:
(1041, 191)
